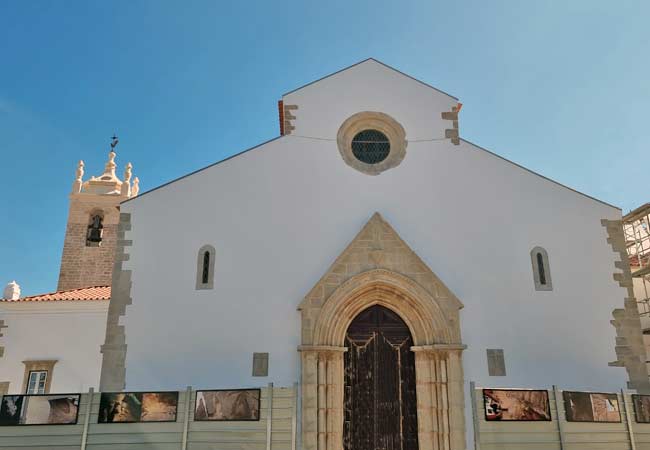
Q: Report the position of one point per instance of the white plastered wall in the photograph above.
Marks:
(69, 332)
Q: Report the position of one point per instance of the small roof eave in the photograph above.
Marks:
(87, 294)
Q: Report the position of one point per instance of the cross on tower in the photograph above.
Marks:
(114, 142)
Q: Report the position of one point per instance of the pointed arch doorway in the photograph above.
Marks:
(380, 403)
(379, 269)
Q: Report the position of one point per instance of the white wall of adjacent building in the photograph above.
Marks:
(280, 214)
(69, 332)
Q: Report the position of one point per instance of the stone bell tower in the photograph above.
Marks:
(91, 232)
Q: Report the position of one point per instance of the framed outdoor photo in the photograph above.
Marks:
(50, 409)
(516, 405)
(11, 410)
(132, 407)
(228, 405)
(591, 407)
(641, 408)
(41, 409)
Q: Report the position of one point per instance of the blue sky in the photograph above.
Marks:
(561, 87)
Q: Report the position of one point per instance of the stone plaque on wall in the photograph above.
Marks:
(260, 364)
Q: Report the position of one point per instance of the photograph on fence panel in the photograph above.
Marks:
(11, 409)
(131, 407)
(227, 405)
(48, 409)
(159, 406)
(510, 405)
(591, 407)
(641, 408)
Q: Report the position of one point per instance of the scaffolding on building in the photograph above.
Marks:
(636, 227)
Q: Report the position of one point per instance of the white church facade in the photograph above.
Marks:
(377, 259)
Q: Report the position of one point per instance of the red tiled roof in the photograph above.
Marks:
(83, 294)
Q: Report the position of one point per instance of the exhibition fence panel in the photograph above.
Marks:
(266, 419)
(33, 437)
(251, 419)
(534, 419)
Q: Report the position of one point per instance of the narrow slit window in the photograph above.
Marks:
(541, 269)
(205, 267)
(205, 277)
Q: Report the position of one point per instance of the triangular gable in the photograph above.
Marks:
(378, 246)
(366, 62)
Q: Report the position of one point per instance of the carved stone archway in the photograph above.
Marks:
(378, 268)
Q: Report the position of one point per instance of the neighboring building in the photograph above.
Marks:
(637, 242)
(370, 242)
(368, 253)
(51, 341)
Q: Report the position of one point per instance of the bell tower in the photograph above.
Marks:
(91, 232)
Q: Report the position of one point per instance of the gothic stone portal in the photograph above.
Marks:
(379, 269)
(380, 403)
(436, 350)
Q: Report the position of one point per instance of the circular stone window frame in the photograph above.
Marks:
(371, 120)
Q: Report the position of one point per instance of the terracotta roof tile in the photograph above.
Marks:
(83, 294)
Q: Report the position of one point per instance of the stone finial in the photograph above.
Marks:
(109, 169)
(76, 186)
(12, 291)
(107, 183)
(136, 187)
(126, 184)
(127, 172)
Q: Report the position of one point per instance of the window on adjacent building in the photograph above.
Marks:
(205, 267)
(36, 382)
(541, 269)
(38, 376)
(95, 231)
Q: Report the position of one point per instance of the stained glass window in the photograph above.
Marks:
(370, 146)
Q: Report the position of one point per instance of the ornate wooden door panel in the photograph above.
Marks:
(380, 400)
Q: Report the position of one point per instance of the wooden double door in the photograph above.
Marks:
(380, 404)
